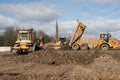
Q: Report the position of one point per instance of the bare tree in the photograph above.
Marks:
(46, 38)
(9, 36)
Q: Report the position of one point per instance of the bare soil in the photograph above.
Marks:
(61, 65)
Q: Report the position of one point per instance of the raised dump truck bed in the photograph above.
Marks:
(74, 42)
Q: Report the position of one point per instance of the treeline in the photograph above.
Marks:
(9, 36)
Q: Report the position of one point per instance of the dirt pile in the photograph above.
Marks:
(61, 65)
(90, 41)
(56, 57)
(94, 41)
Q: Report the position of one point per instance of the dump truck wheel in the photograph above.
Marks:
(84, 46)
(75, 46)
(104, 47)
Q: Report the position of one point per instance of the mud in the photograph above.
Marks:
(61, 65)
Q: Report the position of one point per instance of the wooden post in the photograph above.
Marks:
(57, 36)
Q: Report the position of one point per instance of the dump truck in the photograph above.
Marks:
(75, 43)
(26, 41)
(106, 43)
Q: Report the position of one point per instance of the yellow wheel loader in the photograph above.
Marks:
(25, 41)
(106, 43)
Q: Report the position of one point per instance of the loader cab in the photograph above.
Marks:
(23, 36)
(106, 43)
(62, 39)
(105, 37)
(24, 43)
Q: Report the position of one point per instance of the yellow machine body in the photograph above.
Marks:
(105, 42)
(25, 41)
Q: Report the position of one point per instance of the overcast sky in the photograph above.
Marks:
(98, 15)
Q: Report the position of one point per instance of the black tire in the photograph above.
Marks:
(84, 46)
(104, 47)
(75, 46)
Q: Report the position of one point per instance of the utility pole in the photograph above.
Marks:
(57, 36)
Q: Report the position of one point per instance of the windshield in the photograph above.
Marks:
(105, 37)
(62, 40)
(23, 36)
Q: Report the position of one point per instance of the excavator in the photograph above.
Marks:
(25, 42)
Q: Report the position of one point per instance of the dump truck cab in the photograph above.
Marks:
(75, 43)
(106, 43)
(25, 41)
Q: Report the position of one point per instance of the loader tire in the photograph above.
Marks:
(75, 46)
(104, 47)
(84, 46)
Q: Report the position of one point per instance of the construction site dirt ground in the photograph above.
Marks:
(61, 65)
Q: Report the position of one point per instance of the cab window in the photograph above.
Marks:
(23, 36)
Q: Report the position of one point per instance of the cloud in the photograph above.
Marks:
(102, 1)
(104, 25)
(99, 1)
(107, 1)
(7, 21)
(29, 15)
(67, 28)
(31, 11)
(94, 27)
(43, 17)
(78, 0)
